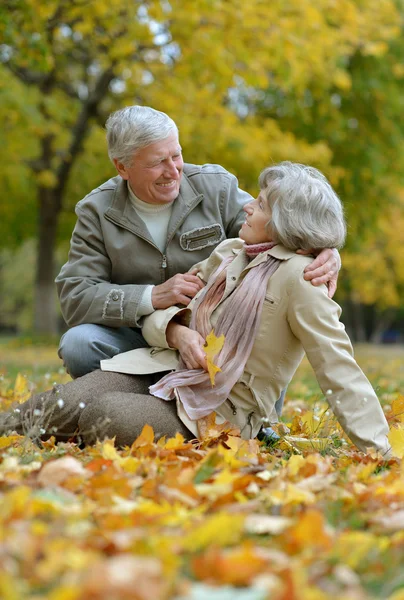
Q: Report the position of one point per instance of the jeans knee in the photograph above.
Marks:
(80, 350)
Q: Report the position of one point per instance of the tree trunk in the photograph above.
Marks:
(382, 324)
(358, 324)
(45, 312)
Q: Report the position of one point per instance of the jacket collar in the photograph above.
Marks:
(278, 251)
(122, 212)
(186, 201)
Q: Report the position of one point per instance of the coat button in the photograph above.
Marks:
(115, 296)
(233, 278)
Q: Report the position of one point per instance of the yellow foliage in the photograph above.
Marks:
(46, 179)
(109, 451)
(355, 546)
(396, 439)
(220, 529)
(397, 408)
(230, 512)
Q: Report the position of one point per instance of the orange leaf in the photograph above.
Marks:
(146, 437)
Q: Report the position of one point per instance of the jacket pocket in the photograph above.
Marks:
(271, 304)
(202, 237)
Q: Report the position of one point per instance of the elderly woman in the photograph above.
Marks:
(257, 298)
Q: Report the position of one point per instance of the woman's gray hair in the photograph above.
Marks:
(135, 127)
(306, 212)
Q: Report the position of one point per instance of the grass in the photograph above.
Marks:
(172, 518)
(34, 358)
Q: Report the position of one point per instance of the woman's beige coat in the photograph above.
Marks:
(297, 317)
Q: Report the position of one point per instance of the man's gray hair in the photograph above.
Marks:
(306, 212)
(135, 127)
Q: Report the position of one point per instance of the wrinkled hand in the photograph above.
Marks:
(324, 269)
(189, 343)
(179, 289)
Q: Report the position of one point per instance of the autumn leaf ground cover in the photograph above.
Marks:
(308, 518)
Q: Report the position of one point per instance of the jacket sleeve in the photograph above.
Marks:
(155, 324)
(314, 320)
(84, 285)
(232, 200)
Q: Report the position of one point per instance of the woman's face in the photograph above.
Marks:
(253, 230)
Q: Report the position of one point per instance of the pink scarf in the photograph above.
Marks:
(238, 321)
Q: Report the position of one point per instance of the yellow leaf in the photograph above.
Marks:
(295, 462)
(65, 592)
(301, 443)
(175, 442)
(8, 587)
(398, 595)
(311, 530)
(221, 529)
(146, 437)
(109, 452)
(212, 347)
(291, 494)
(9, 440)
(21, 389)
(397, 408)
(396, 439)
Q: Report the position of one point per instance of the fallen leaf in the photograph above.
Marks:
(55, 472)
(146, 437)
(267, 524)
(391, 522)
(126, 577)
(21, 388)
(397, 408)
(396, 439)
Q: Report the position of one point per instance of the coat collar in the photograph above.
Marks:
(122, 212)
(278, 251)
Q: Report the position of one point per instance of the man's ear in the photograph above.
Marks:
(120, 167)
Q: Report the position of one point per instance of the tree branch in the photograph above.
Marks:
(80, 130)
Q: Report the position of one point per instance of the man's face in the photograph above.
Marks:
(156, 172)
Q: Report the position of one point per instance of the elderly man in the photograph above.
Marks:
(139, 233)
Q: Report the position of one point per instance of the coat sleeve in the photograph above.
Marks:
(232, 201)
(155, 324)
(314, 320)
(84, 285)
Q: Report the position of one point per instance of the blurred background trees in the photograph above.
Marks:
(247, 83)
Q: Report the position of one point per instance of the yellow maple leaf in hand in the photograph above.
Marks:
(396, 439)
(212, 346)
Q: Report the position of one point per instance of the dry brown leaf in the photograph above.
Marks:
(57, 471)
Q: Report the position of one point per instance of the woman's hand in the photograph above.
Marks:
(189, 343)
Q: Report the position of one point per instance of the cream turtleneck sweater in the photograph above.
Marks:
(156, 217)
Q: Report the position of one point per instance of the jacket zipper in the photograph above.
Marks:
(233, 408)
(248, 422)
(142, 237)
(202, 237)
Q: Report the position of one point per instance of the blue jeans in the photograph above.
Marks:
(83, 347)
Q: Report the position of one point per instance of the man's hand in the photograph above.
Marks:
(179, 289)
(324, 269)
(189, 343)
